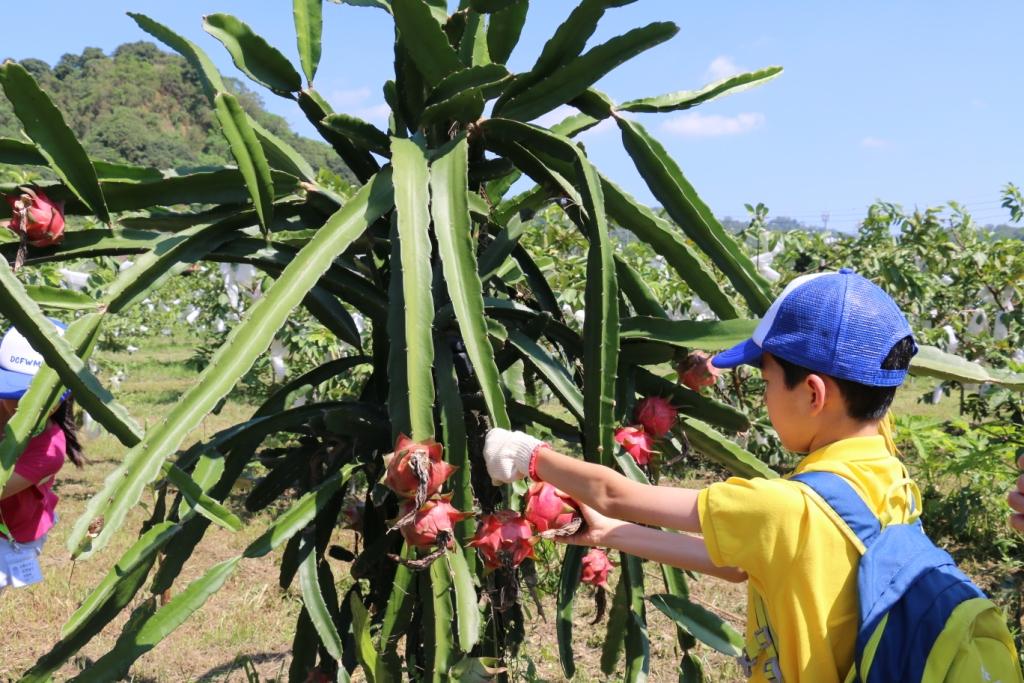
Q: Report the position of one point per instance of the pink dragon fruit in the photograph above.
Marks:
(37, 217)
(504, 539)
(401, 474)
(656, 415)
(637, 442)
(550, 509)
(697, 372)
(437, 517)
(596, 566)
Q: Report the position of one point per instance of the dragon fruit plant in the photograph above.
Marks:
(411, 267)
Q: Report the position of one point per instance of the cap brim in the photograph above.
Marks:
(744, 353)
(13, 384)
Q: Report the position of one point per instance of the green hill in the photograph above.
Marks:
(143, 106)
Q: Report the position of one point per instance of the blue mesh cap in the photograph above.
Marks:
(838, 324)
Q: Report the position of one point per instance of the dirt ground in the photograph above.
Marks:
(251, 618)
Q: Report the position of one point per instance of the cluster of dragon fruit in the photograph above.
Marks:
(504, 538)
(655, 416)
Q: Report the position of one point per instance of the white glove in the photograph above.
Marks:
(507, 454)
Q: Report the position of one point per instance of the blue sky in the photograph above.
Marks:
(913, 102)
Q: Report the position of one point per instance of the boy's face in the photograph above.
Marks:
(786, 407)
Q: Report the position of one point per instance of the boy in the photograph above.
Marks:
(832, 350)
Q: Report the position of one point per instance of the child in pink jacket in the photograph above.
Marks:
(27, 502)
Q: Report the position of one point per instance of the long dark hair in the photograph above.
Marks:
(64, 417)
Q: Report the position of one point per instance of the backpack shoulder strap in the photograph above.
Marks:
(844, 503)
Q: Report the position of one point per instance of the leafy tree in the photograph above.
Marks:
(141, 105)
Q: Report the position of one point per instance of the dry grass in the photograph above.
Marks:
(250, 616)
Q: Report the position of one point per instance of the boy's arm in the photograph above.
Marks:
(677, 550)
(509, 455)
(615, 495)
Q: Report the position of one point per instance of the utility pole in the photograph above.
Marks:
(824, 219)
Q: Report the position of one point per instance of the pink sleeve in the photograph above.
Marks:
(43, 456)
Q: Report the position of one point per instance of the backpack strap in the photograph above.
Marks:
(843, 502)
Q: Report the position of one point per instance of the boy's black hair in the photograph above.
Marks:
(863, 402)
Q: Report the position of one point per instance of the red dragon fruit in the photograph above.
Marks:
(656, 415)
(437, 517)
(596, 566)
(37, 217)
(696, 371)
(549, 509)
(637, 442)
(401, 474)
(504, 539)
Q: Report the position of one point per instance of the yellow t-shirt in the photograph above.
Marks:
(797, 559)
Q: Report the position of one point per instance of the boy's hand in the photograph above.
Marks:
(507, 454)
(595, 528)
(1017, 500)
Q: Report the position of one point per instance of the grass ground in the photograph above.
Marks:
(251, 618)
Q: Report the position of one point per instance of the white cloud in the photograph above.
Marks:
(560, 113)
(356, 101)
(721, 67)
(696, 125)
(556, 115)
(346, 99)
(873, 142)
(377, 113)
(607, 125)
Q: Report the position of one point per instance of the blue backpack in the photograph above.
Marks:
(921, 618)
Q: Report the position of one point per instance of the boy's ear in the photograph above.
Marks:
(819, 392)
